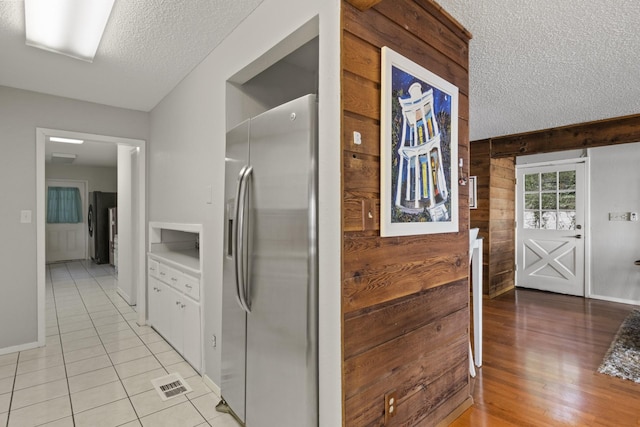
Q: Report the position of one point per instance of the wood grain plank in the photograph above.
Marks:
(373, 326)
(380, 31)
(364, 4)
(365, 408)
(369, 133)
(409, 15)
(619, 130)
(360, 57)
(360, 96)
(361, 172)
(382, 361)
(414, 409)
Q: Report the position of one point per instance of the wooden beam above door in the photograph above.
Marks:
(364, 4)
(619, 130)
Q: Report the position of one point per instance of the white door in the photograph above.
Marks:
(66, 240)
(551, 228)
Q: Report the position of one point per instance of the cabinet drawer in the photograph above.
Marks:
(154, 267)
(190, 286)
(169, 275)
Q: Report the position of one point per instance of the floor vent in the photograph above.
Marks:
(171, 386)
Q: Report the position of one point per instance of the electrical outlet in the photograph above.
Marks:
(633, 216)
(390, 406)
(214, 342)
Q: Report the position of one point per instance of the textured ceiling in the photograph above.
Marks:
(147, 48)
(536, 64)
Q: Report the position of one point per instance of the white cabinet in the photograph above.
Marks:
(173, 291)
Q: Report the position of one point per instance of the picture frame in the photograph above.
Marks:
(418, 150)
(473, 192)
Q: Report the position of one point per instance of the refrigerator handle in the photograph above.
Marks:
(240, 250)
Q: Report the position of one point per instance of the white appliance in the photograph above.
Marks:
(269, 319)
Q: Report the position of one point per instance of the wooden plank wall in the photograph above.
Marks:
(405, 300)
(502, 195)
(495, 216)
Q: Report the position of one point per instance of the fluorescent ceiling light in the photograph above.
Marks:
(65, 140)
(62, 158)
(70, 27)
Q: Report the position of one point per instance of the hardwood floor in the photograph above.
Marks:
(541, 353)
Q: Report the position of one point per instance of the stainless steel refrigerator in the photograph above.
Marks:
(98, 224)
(113, 234)
(269, 316)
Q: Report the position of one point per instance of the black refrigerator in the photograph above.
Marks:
(98, 223)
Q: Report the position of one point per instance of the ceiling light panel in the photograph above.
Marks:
(65, 140)
(70, 27)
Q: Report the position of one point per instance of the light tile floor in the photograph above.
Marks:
(97, 366)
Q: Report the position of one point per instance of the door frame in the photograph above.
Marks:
(139, 243)
(587, 212)
(85, 208)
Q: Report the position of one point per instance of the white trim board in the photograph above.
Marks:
(613, 299)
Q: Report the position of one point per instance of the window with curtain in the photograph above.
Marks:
(64, 205)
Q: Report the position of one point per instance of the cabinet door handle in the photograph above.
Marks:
(188, 286)
(174, 279)
(163, 274)
(182, 306)
(177, 302)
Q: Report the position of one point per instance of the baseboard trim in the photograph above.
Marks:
(21, 347)
(213, 386)
(124, 296)
(468, 403)
(613, 299)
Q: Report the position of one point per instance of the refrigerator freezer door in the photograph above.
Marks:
(233, 343)
(281, 327)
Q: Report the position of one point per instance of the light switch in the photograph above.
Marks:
(25, 217)
(208, 194)
(357, 138)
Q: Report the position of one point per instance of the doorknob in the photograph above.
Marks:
(578, 236)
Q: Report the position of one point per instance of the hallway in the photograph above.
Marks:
(97, 366)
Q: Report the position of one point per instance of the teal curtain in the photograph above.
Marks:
(64, 205)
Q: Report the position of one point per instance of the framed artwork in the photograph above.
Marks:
(473, 192)
(419, 150)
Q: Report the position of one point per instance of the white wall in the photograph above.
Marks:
(187, 156)
(20, 113)
(99, 178)
(615, 245)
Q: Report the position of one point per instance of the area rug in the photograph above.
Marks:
(623, 357)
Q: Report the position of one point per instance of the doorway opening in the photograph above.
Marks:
(132, 267)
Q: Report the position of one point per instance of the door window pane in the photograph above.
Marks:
(532, 219)
(567, 201)
(567, 180)
(548, 220)
(532, 201)
(531, 182)
(549, 201)
(549, 181)
(567, 220)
